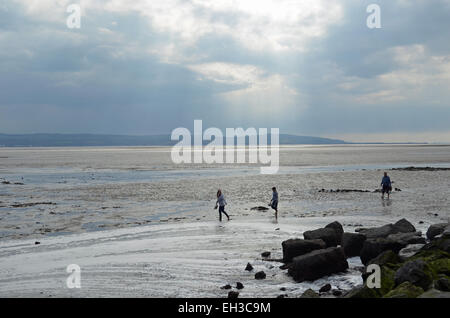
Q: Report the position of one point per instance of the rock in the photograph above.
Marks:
(37, 243)
(249, 267)
(233, 294)
(239, 285)
(338, 229)
(435, 230)
(265, 254)
(386, 258)
(374, 247)
(328, 235)
(317, 264)
(324, 289)
(297, 247)
(283, 288)
(309, 293)
(408, 238)
(404, 226)
(405, 290)
(336, 292)
(260, 275)
(259, 208)
(410, 250)
(417, 272)
(442, 284)
(228, 286)
(282, 296)
(442, 243)
(379, 232)
(362, 292)
(352, 243)
(433, 293)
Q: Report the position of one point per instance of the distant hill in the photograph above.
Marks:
(82, 140)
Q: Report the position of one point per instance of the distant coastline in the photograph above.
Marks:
(100, 140)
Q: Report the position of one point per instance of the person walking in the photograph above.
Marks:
(274, 202)
(221, 202)
(386, 186)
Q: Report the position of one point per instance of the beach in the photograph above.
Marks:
(140, 226)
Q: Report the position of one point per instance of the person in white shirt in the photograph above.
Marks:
(221, 203)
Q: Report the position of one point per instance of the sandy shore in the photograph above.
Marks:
(167, 260)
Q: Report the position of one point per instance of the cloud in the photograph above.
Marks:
(310, 67)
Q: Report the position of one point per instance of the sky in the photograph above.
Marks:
(307, 67)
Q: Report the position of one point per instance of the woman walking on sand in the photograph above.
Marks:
(221, 202)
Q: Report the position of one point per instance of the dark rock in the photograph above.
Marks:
(408, 238)
(433, 293)
(410, 250)
(374, 247)
(442, 284)
(361, 292)
(405, 290)
(385, 258)
(404, 226)
(336, 292)
(260, 275)
(233, 294)
(379, 232)
(338, 229)
(317, 264)
(239, 285)
(297, 247)
(37, 243)
(282, 296)
(435, 230)
(249, 267)
(309, 293)
(352, 243)
(265, 254)
(328, 235)
(416, 272)
(324, 289)
(442, 244)
(228, 286)
(283, 288)
(259, 208)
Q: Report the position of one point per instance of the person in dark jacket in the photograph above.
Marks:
(386, 185)
(274, 202)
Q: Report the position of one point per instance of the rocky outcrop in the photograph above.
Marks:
(298, 247)
(405, 290)
(260, 275)
(328, 235)
(436, 229)
(317, 264)
(374, 247)
(434, 293)
(417, 272)
(309, 293)
(404, 226)
(338, 229)
(352, 243)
